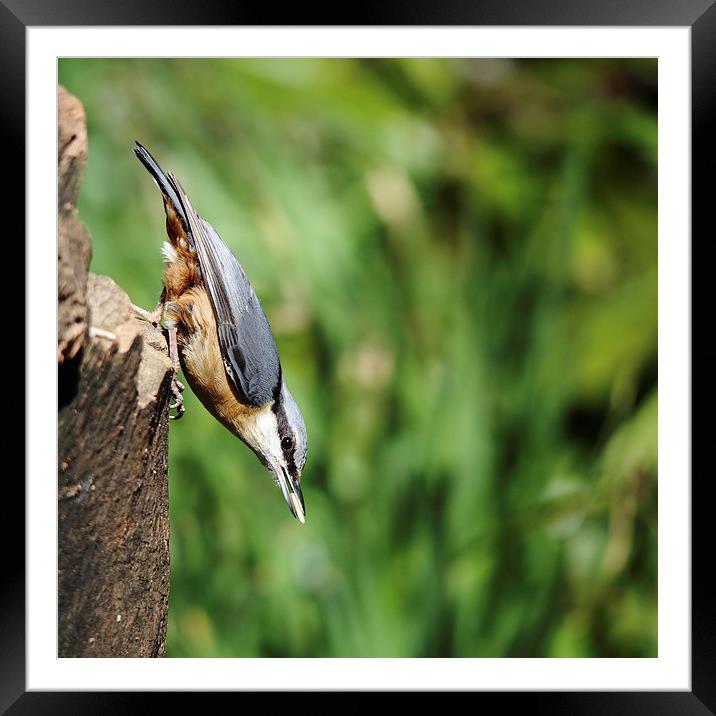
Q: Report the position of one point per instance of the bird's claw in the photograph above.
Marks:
(179, 414)
(154, 317)
(176, 386)
(178, 404)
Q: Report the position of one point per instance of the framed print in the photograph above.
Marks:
(469, 233)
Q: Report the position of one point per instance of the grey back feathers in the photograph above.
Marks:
(245, 339)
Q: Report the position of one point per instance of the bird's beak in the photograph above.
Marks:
(291, 493)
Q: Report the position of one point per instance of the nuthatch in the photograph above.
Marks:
(219, 332)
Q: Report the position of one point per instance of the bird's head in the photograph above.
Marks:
(277, 434)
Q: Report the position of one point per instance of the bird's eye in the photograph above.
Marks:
(287, 443)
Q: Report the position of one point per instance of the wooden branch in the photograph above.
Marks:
(74, 248)
(114, 377)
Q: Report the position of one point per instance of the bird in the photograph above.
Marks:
(220, 335)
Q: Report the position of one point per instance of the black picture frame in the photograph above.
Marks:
(698, 15)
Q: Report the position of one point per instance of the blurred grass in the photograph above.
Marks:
(458, 259)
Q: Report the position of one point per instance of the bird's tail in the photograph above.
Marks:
(173, 205)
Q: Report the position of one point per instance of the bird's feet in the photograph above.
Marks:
(178, 404)
(176, 386)
(154, 317)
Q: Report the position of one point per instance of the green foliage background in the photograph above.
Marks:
(459, 262)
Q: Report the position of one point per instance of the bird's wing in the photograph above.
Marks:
(245, 338)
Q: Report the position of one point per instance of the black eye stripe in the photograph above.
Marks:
(285, 429)
(287, 442)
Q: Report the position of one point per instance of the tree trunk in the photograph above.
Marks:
(114, 377)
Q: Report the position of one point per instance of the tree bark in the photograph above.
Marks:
(114, 377)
